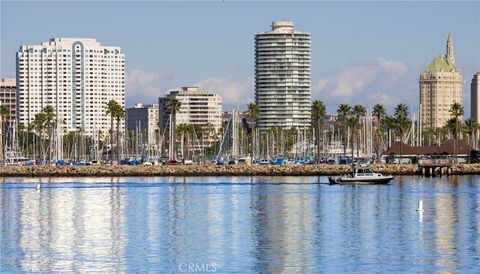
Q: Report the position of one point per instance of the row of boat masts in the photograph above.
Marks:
(233, 141)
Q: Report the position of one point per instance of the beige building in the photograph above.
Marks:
(197, 107)
(475, 98)
(8, 93)
(440, 87)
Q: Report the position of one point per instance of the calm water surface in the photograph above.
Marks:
(239, 224)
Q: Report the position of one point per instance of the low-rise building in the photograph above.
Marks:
(197, 108)
(8, 91)
(144, 118)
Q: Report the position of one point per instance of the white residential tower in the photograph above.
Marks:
(76, 76)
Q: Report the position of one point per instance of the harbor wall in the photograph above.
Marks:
(213, 170)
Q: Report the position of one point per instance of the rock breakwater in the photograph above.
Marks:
(212, 170)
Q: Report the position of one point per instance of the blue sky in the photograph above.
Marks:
(362, 52)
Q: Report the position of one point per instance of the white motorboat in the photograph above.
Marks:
(362, 174)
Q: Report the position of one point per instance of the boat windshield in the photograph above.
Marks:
(364, 170)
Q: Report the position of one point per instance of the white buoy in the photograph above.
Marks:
(38, 186)
(420, 205)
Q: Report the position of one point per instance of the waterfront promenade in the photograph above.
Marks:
(213, 170)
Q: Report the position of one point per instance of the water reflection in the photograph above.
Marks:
(239, 224)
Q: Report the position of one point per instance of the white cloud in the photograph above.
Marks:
(146, 87)
(378, 81)
(233, 92)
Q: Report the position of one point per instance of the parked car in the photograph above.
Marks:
(264, 162)
(331, 161)
(187, 162)
(147, 163)
(172, 162)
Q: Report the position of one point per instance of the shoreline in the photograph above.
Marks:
(212, 170)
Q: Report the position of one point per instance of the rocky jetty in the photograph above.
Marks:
(212, 170)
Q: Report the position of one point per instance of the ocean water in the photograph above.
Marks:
(239, 224)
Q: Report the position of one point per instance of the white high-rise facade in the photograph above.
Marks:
(282, 77)
(76, 76)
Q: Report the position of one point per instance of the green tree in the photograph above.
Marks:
(119, 115)
(379, 113)
(112, 107)
(401, 123)
(253, 113)
(358, 114)
(343, 113)
(318, 112)
(456, 111)
(174, 106)
(471, 127)
(4, 113)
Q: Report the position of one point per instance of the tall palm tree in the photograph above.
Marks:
(318, 112)
(358, 113)
(4, 113)
(343, 113)
(183, 129)
(253, 113)
(49, 125)
(471, 127)
(174, 106)
(401, 123)
(112, 107)
(379, 113)
(39, 125)
(456, 111)
(119, 115)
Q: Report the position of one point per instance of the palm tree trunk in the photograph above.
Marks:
(318, 140)
(344, 140)
(118, 139)
(352, 143)
(111, 139)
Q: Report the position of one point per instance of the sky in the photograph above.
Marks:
(362, 52)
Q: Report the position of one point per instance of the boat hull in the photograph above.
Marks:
(360, 181)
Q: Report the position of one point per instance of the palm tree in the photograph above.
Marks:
(183, 129)
(401, 122)
(343, 113)
(49, 125)
(456, 111)
(358, 113)
(318, 112)
(112, 107)
(119, 115)
(4, 113)
(471, 127)
(39, 125)
(253, 113)
(174, 106)
(378, 112)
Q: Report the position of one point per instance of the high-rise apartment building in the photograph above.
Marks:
(8, 91)
(475, 98)
(197, 108)
(144, 118)
(440, 87)
(76, 76)
(282, 77)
